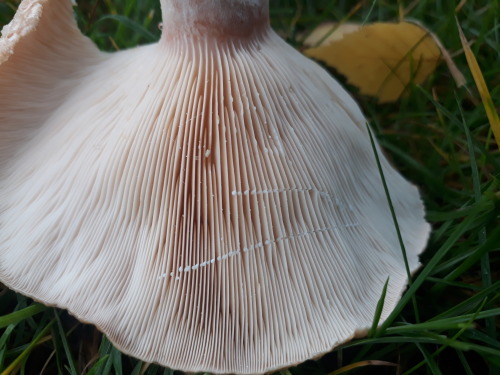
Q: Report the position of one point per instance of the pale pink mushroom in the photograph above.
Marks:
(211, 202)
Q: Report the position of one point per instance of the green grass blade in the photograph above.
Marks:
(492, 243)
(394, 218)
(464, 346)
(21, 315)
(137, 369)
(378, 310)
(116, 358)
(428, 360)
(455, 284)
(453, 237)
(478, 336)
(485, 260)
(477, 74)
(26, 352)
(469, 304)
(457, 322)
(3, 340)
(106, 349)
(98, 365)
(60, 333)
(453, 339)
(465, 364)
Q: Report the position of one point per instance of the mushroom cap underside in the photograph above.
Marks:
(223, 214)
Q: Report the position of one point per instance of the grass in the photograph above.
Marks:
(439, 136)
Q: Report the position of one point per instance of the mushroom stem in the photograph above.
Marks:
(222, 19)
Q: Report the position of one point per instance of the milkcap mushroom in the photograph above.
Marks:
(210, 202)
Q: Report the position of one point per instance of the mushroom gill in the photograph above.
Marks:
(210, 202)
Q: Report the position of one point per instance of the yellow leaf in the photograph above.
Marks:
(382, 59)
(481, 87)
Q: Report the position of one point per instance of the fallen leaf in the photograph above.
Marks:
(382, 59)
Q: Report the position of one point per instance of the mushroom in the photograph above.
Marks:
(210, 202)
